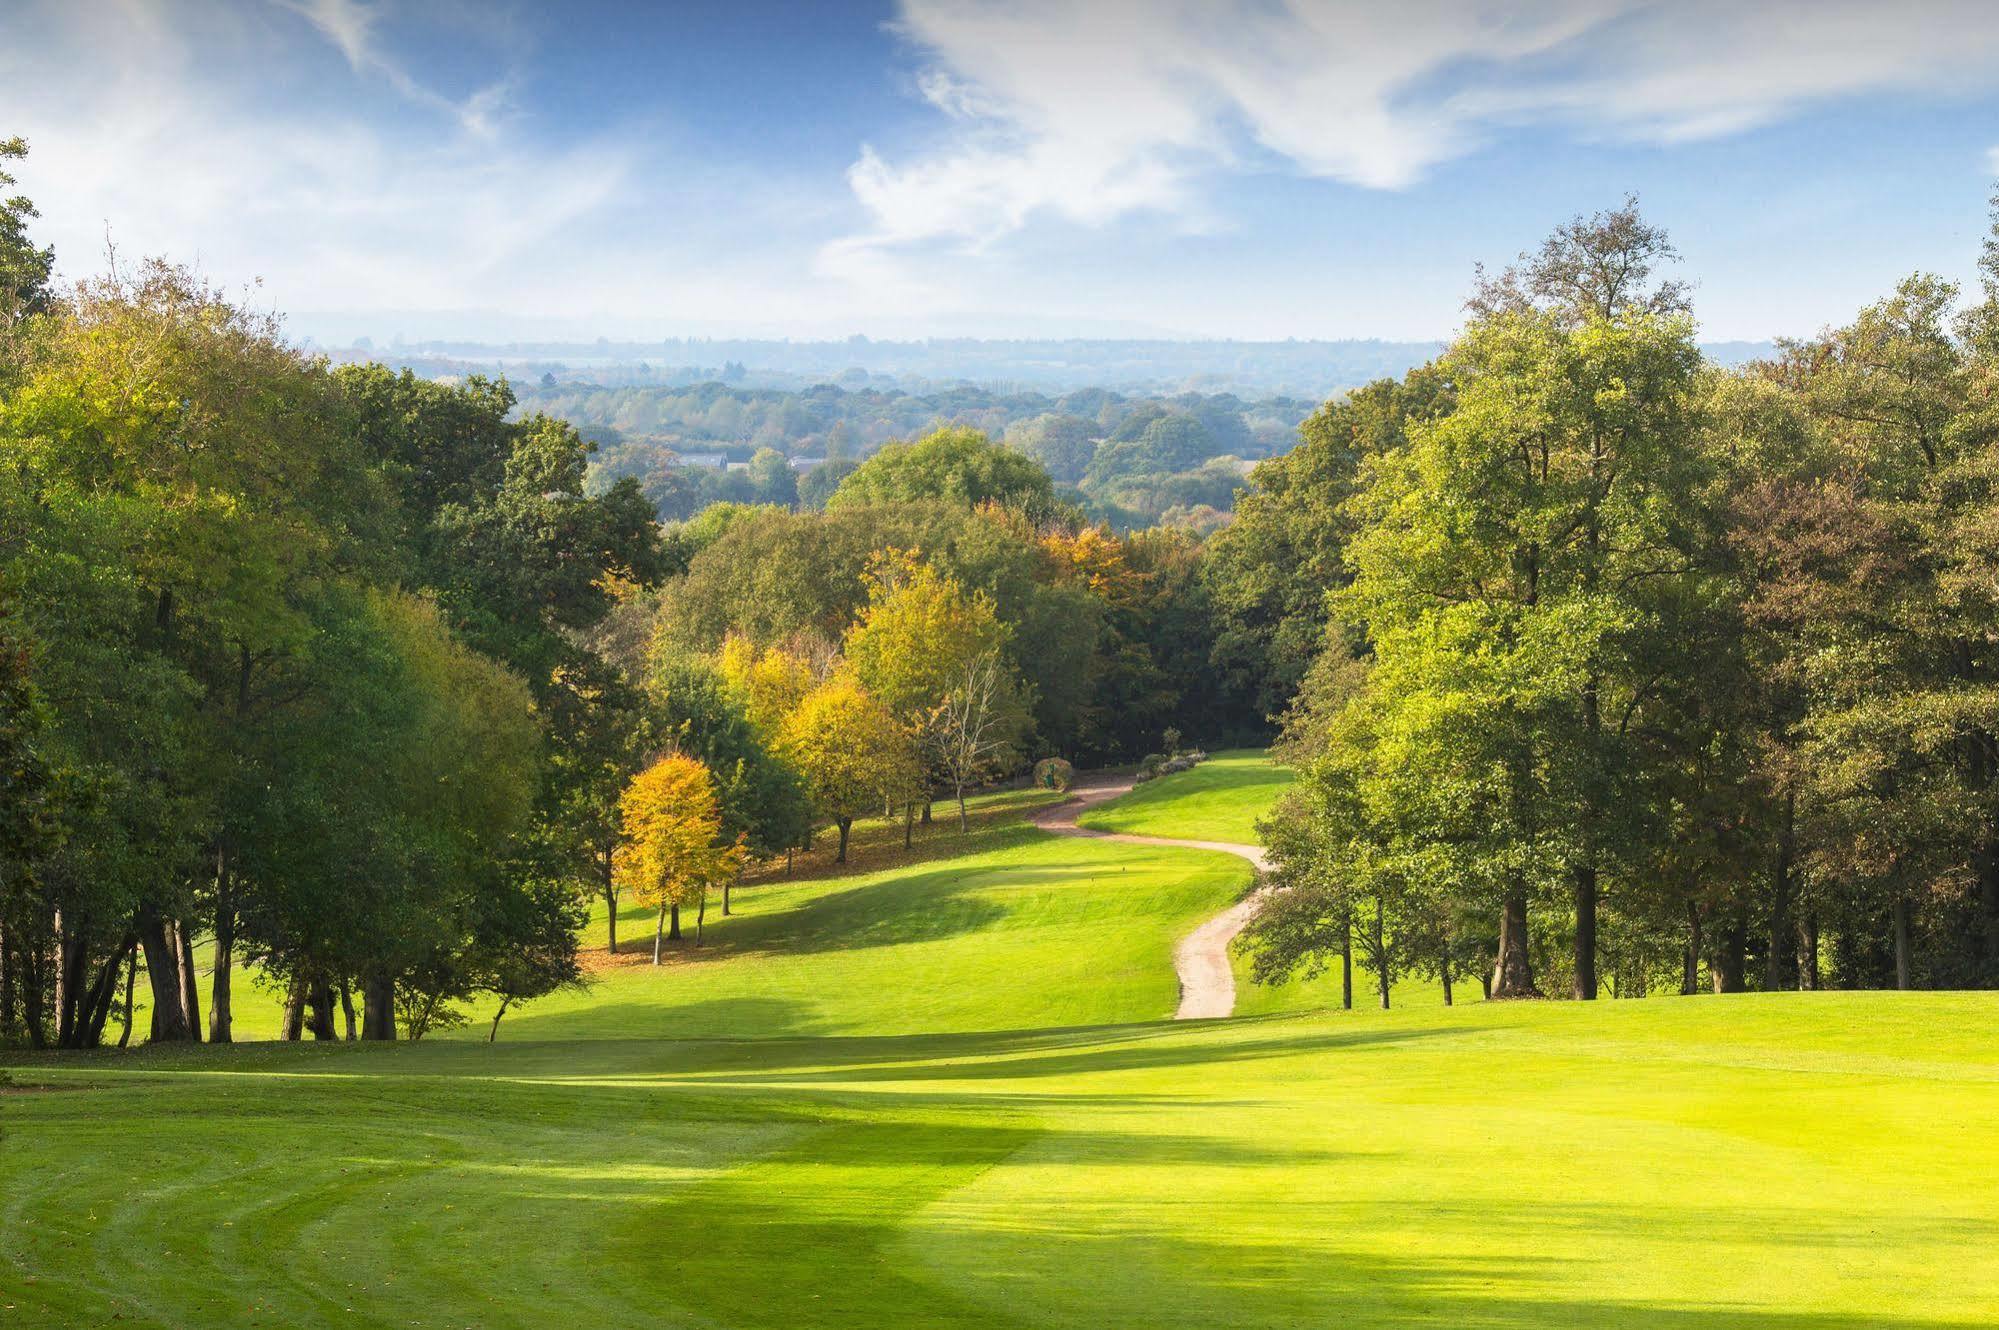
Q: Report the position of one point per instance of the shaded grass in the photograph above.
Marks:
(1221, 799)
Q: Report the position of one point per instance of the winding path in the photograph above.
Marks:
(1207, 984)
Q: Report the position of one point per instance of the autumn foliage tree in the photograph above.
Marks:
(934, 656)
(673, 849)
(853, 755)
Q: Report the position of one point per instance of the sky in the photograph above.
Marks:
(1252, 169)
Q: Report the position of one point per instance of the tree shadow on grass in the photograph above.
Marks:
(858, 1225)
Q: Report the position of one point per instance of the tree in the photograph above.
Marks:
(771, 478)
(975, 727)
(762, 798)
(853, 755)
(932, 655)
(1062, 444)
(24, 269)
(673, 849)
(1270, 571)
(1535, 577)
(957, 465)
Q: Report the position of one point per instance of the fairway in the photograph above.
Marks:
(1770, 1161)
(1220, 800)
(939, 1094)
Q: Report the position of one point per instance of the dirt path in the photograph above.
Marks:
(1207, 985)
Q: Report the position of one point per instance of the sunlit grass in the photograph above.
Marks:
(934, 1094)
(1220, 800)
(1777, 1160)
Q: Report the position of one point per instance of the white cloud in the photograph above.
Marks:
(164, 129)
(1087, 111)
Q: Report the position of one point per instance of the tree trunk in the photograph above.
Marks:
(190, 981)
(347, 1008)
(1585, 893)
(378, 1008)
(319, 1001)
(1780, 960)
(71, 959)
(908, 818)
(727, 882)
(926, 810)
(1346, 963)
(845, 823)
(32, 1014)
(494, 1033)
(1808, 972)
(658, 932)
(292, 1027)
(1729, 968)
(673, 923)
(610, 904)
(964, 824)
(1903, 977)
(1690, 962)
(170, 1023)
(1380, 955)
(1444, 971)
(131, 978)
(100, 997)
(219, 995)
(1513, 973)
(700, 917)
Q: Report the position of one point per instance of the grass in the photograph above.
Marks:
(1764, 1161)
(1219, 800)
(934, 1094)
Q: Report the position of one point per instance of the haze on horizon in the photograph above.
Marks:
(1245, 170)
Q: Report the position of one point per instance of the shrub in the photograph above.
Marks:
(1053, 773)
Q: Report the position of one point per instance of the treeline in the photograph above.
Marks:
(1130, 461)
(1610, 667)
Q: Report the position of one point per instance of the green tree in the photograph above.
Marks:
(24, 269)
(956, 465)
(1062, 444)
(771, 478)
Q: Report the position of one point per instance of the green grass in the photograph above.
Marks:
(1761, 1161)
(935, 1095)
(1219, 800)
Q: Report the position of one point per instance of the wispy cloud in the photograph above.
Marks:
(161, 128)
(352, 26)
(1086, 112)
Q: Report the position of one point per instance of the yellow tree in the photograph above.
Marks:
(853, 755)
(932, 655)
(672, 850)
(770, 684)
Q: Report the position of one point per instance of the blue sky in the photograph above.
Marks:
(1227, 168)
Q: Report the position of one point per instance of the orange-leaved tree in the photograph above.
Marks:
(673, 849)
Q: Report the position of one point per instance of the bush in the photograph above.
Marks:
(1053, 773)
